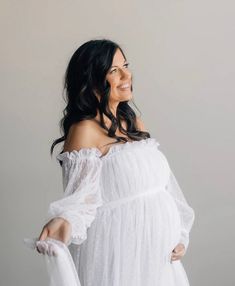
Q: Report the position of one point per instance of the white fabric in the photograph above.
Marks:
(81, 174)
(59, 263)
(127, 214)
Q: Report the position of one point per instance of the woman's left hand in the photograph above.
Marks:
(178, 252)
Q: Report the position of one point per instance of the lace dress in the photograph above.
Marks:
(127, 214)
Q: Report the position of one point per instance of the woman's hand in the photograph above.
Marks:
(57, 228)
(178, 252)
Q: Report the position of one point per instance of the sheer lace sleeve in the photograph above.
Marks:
(82, 196)
(187, 214)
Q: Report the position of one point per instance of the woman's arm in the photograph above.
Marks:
(186, 212)
(70, 216)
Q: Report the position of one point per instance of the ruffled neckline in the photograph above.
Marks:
(115, 148)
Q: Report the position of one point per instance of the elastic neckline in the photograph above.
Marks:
(113, 149)
(127, 145)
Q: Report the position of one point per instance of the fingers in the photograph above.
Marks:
(51, 250)
(179, 247)
(178, 252)
(43, 234)
(46, 247)
(41, 248)
(57, 229)
(178, 255)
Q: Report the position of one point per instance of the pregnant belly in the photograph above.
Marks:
(133, 236)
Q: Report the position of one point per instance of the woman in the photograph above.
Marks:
(123, 214)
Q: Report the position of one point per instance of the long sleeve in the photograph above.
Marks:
(82, 194)
(187, 214)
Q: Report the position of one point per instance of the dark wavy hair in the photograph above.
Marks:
(85, 74)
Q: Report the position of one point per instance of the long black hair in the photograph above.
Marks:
(85, 74)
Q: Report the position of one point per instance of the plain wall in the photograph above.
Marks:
(182, 57)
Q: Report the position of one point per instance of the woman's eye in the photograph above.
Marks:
(125, 65)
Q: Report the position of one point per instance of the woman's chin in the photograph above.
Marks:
(124, 96)
(127, 97)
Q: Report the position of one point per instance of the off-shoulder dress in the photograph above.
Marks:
(127, 213)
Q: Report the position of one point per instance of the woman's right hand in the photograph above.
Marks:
(57, 228)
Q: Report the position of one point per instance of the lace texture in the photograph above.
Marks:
(81, 172)
(186, 212)
(135, 210)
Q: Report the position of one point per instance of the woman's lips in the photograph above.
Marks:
(124, 86)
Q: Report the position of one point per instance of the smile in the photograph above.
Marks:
(124, 86)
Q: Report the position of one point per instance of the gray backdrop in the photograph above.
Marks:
(182, 57)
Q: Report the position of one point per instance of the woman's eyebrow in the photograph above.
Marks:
(117, 66)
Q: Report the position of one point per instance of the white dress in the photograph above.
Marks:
(127, 214)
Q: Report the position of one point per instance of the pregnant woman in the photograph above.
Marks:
(122, 214)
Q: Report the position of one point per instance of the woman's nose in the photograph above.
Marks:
(125, 74)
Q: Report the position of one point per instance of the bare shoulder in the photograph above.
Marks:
(140, 124)
(84, 134)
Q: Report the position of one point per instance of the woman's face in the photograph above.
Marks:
(119, 78)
